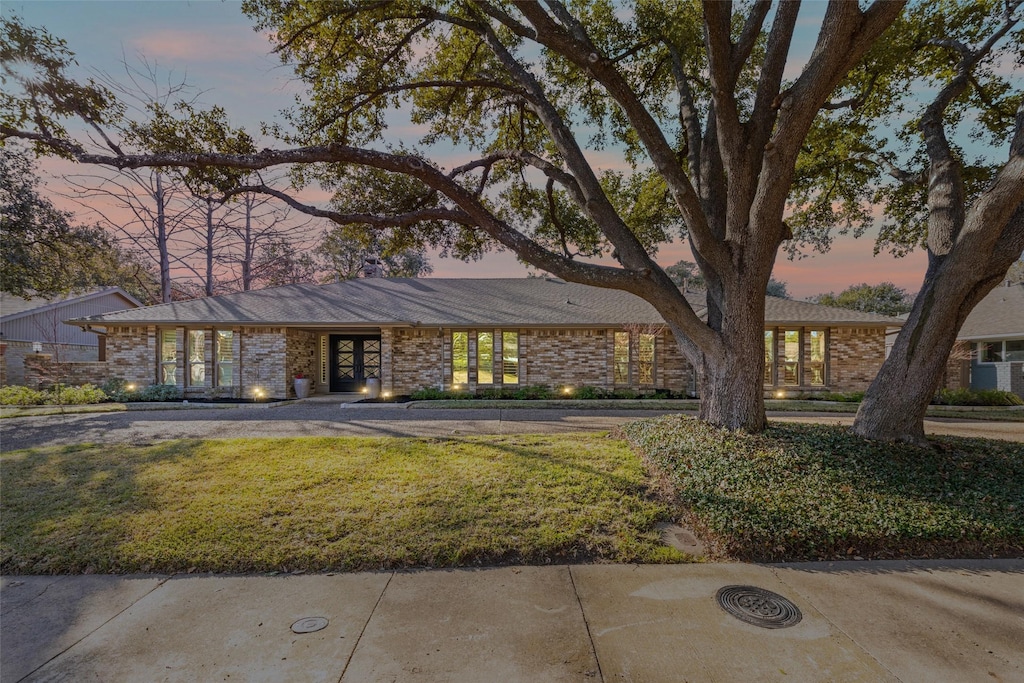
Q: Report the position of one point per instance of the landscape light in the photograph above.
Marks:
(780, 394)
(456, 387)
(257, 392)
(366, 390)
(130, 387)
(387, 394)
(567, 390)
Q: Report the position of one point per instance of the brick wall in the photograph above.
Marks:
(576, 357)
(262, 358)
(15, 353)
(855, 356)
(415, 360)
(957, 373)
(303, 353)
(41, 371)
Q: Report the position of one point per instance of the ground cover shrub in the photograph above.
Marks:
(59, 394)
(120, 391)
(13, 395)
(542, 393)
(976, 397)
(324, 504)
(814, 492)
(840, 397)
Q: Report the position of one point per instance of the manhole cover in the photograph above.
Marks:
(758, 607)
(309, 625)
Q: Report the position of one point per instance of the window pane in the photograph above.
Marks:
(460, 358)
(1014, 350)
(814, 370)
(991, 352)
(510, 357)
(621, 358)
(167, 373)
(485, 358)
(225, 358)
(769, 356)
(791, 362)
(168, 346)
(645, 358)
(196, 351)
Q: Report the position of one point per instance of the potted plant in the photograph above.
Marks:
(301, 385)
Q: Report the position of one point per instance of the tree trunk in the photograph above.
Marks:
(894, 405)
(161, 240)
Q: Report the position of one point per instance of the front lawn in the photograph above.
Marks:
(816, 492)
(327, 504)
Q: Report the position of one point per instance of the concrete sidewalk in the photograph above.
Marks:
(861, 621)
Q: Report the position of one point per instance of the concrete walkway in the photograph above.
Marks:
(864, 621)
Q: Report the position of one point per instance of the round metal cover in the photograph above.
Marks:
(309, 625)
(758, 606)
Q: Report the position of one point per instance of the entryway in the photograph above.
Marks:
(353, 360)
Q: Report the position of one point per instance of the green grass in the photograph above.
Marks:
(803, 492)
(327, 504)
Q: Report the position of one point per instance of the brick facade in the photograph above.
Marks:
(268, 358)
(855, 356)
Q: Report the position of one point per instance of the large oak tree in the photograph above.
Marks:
(696, 95)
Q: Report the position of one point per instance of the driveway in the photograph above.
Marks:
(313, 419)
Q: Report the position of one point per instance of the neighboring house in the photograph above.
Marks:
(990, 346)
(37, 324)
(461, 333)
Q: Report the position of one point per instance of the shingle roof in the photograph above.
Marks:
(446, 302)
(12, 306)
(1000, 314)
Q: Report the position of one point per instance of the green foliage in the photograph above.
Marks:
(117, 390)
(976, 397)
(57, 395)
(41, 252)
(13, 395)
(543, 393)
(815, 492)
(345, 248)
(885, 299)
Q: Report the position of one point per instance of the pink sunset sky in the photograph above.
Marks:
(214, 46)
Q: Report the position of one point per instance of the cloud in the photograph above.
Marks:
(202, 45)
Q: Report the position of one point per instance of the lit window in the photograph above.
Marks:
(196, 364)
(510, 358)
(769, 357)
(485, 358)
(814, 369)
(460, 358)
(621, 361)
(791, 361)
(225, 359)
(645, 359)
(168, 357)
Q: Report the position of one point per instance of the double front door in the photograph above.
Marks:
(354, 359)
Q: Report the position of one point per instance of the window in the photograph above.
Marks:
(621, 360)
(791, 360)
(814, 369)
(510, 358)
(1001, 352)
(769, 357)
(168, 357)
(196, 363)
(645, 359)
(485, 358)
(225, 356)
(460, 358)
(990, 352)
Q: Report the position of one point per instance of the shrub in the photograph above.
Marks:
(848, 397)
(57, 395)
(117, 390)
(976, 397)
(75, 396)
(21, 396)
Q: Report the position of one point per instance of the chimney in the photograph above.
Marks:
(373, 267)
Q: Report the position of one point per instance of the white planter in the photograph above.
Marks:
(302, 387)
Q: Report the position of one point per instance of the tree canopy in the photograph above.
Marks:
(884, 298)
(724, 142)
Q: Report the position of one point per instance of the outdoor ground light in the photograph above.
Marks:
(780, 394)
(130, 387)
(456, 387)
(257, 392)
(366, 390)
(386, 394)
(567, 390)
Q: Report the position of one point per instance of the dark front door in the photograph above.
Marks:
(354, 359)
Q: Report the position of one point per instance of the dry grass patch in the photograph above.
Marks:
(327, 504)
